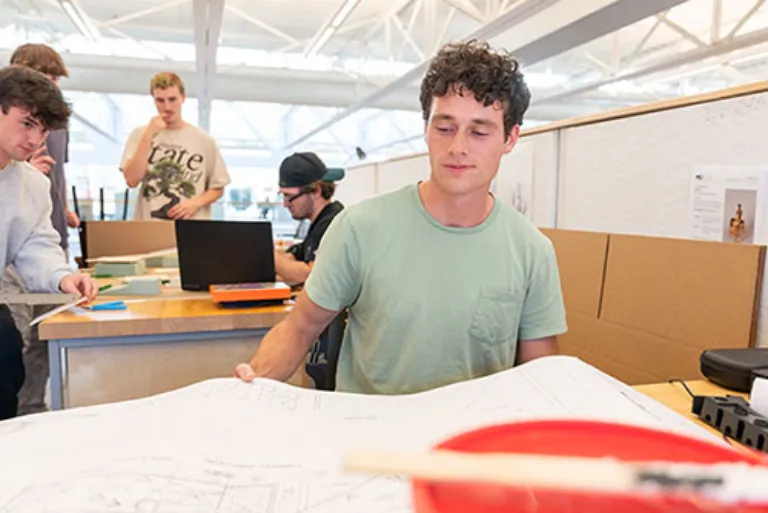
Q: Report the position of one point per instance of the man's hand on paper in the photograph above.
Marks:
(245, 372)
(79, 284)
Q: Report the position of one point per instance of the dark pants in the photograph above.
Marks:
(11, 364)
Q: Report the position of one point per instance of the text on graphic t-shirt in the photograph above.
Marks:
(182, 164)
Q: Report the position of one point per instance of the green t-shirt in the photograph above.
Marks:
(431, 305)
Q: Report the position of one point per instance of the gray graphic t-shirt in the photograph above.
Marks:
(182, 164)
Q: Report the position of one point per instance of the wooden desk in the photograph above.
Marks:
(156, 345)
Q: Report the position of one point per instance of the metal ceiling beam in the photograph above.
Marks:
(506, 4)
(383, 17)
(329, 28)
(446, 26)
(407, 36)
(344, 29)
(743, 21)
(411, 21)
(152, 49)
(468, 8)
(233, 108)
(579, 31)
(682, 31)
(262, 25)
(288, 87)
(609, 19)
(717, 21)
(724, 47)
(697, 41)
(511, 18)
(127, 75)
(641, 44)
(430, 14)
(93, 127)
(140, 14)
(208, 15)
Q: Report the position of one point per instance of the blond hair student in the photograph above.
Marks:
(178, 167)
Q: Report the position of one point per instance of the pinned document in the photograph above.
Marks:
(728, 204)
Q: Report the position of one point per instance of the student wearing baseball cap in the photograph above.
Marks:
(307, 188)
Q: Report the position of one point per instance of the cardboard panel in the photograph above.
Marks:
(581, 262)
(116, 238)
(702, 294)
(584, 340)
(661, 358)
(645, 311)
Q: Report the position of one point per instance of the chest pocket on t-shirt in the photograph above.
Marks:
(497, 316)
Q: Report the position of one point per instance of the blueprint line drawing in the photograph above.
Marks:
(144, 493)
(224, 446)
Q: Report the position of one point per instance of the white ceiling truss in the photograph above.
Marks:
(341, 58)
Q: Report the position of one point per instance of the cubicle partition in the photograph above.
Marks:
(118, 238)
(644, 308)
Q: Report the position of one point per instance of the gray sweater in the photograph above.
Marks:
(27, 237)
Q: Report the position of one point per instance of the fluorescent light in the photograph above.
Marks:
(335, 23)
(81, 20)
(345, 10)
(320, 42)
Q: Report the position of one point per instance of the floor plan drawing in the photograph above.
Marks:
(224, 446)
(148, 492)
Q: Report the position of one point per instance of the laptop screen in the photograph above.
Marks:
(224, 252)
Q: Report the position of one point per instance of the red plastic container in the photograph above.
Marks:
(578, 439)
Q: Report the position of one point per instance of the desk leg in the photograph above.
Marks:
(56, 374)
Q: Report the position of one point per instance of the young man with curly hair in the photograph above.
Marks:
(443, 283)
(31, 105)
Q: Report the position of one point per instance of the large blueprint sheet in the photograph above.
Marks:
(224, 446)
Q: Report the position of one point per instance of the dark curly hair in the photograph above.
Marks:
(27, 89)
(490, 75)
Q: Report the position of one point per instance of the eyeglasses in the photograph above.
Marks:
(302, 192)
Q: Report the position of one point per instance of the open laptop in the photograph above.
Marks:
(224, 252)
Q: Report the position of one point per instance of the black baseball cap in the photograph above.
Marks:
(305, 168)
